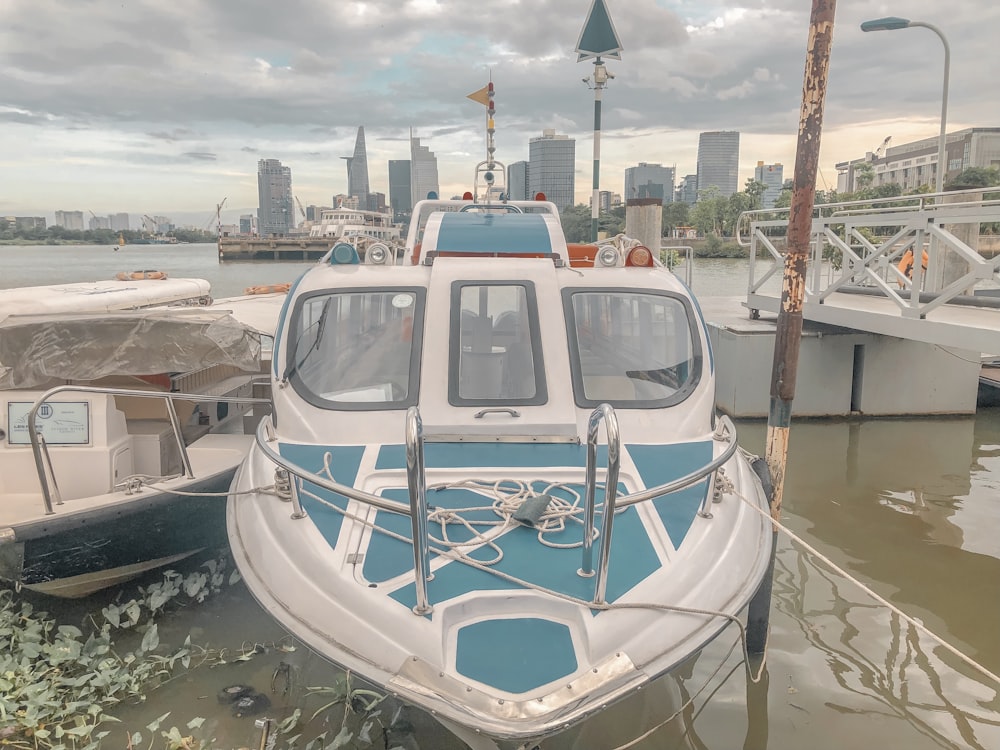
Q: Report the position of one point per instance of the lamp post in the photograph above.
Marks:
(893, 23)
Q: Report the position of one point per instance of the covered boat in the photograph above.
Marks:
(506, 495)
(115, 430)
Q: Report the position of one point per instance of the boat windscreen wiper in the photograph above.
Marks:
(664, 376)
(320, 328)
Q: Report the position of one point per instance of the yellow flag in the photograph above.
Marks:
(482, 96)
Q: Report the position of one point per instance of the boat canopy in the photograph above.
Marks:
(35, 349)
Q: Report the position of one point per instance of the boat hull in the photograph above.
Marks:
(350, 620)
(71, 555)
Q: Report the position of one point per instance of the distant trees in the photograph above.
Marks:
(57, 235)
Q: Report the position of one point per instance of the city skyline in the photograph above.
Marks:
(180, 118)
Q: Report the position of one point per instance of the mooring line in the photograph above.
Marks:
(880, 599)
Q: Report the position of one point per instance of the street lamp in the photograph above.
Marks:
(893, 23)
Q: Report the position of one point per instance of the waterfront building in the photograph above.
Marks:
(69, 220)
(99, 222)
(248, 224)
(400, 197)
(914, 164)
(687, 191)
(119, 222)
(24, 223)
(518, 182)
(357, 168)
(650, 181)
(423, 172)
(275, 211)
(772, 176)
(719, 161)
(606, 200)
(552, 167)
(347, 201)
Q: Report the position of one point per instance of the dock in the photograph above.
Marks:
(273, 248)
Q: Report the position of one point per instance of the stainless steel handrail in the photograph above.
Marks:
(382, 503)
(416, 479)
(688, 259)
(603, 413)
(40, 450)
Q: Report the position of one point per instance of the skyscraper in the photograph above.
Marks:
(69, 219)
(687, 191)
(357, 170)
(119, 222)
(552, 167)
(400, 198)
(517, 181)
(772, 175)
(649, 181)
(423, 171)
(719, 161)
(275, 211)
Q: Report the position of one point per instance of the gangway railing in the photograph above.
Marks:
(867, 239)
(40, 449)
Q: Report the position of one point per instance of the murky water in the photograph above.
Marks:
(911, 507)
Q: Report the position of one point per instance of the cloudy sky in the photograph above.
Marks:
(150, 106)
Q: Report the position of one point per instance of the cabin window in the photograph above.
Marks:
(495, 353)
(357, 349)
(631, 348)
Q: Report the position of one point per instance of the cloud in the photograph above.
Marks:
(127, 83)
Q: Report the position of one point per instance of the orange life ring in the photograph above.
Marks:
(268, 289)
(140, 275)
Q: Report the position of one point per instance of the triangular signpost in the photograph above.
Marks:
(598, 39)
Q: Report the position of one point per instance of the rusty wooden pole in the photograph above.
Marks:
(789, 332)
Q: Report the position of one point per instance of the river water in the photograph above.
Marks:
(911, 507)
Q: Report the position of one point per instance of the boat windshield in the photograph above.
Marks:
(354, 349)
(631, 348)
(495, 351)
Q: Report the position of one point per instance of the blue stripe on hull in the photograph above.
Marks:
(659, 464)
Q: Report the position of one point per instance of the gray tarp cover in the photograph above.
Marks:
(37, 348)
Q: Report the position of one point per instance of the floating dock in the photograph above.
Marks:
(273, 248)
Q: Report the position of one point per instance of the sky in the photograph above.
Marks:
(155, 107)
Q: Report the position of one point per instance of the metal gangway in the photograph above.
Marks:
(856, 279)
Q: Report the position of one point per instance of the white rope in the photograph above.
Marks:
(881, 600)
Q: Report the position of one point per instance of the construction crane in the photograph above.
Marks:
(301, 210)
(149, 221)
(217, 216)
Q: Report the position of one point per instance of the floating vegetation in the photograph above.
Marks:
(61, 685)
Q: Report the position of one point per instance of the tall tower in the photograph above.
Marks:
(719, 161)
(357, 170)
(423, 171)
(517, 181)
(275, 211)
(772, 176)
(400, 197)
(552, 167)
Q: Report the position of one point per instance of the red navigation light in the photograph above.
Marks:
(466, 196)
(639, 256)
(540, 196)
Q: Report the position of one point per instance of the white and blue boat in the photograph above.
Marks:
(503, 492)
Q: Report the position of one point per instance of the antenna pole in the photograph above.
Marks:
(600, 79)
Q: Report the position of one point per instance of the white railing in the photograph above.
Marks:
(866, 241)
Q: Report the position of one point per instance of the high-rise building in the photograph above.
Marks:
(649, 181)
(687, 191)
(552, 167)
(357, 169)
(70, 219)
(423, 172)
(719, 161)
(100, 222)
(275, 209)
(119, 222)
(248, 224)
(518, 182)
(400, 198)
(772, 176)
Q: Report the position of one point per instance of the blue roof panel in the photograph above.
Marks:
(493, 234)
